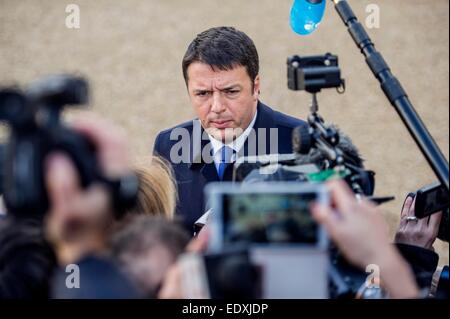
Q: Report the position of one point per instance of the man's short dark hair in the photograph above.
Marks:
(223, 48)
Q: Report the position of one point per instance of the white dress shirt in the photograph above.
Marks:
(236, 144)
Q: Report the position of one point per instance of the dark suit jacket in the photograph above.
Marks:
(99, 278)
(192, 174)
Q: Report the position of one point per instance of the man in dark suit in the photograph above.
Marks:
(221, 70)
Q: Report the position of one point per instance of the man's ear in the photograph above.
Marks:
(256, 87)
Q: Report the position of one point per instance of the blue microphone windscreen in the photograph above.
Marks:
(306, 15)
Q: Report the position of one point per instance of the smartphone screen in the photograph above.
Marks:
(269, 218)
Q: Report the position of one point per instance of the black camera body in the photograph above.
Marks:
(314, 73)
(36, 131)
(431, 199)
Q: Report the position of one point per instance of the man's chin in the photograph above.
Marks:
(226, 136)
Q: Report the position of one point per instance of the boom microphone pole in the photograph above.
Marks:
(389, 83)
(394, 92)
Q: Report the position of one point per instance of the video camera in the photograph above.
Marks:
(37, 130)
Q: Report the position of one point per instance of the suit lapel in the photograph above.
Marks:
(264, 120)
(198, 151)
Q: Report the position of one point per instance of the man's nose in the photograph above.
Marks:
(218, 105)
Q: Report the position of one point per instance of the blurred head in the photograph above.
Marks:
(157, 190)
(221, 68)
(145, 247)
(27, 260)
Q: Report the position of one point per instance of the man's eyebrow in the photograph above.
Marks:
(201, 90)
(227, 88)
(231, 87)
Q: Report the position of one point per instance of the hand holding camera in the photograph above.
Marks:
(81, 175)
(414, 231)
(34, 116)
(79, 218)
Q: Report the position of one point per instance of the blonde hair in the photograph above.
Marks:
(157, 195)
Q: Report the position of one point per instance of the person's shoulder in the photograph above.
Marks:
(288, 121)
(282, 120)
(186, 125)
(164, 142)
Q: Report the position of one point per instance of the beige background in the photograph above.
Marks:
(131, 51)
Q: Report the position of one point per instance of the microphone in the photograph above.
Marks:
(306, 15)
(303, 144)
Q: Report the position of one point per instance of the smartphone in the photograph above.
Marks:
(269, 214)
(273, 221)
(431, 199)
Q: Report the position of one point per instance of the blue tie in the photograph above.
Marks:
(226, 153)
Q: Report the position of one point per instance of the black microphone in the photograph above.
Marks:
(303, 144)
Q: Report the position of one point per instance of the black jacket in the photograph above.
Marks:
(423, 262)
(192, 174)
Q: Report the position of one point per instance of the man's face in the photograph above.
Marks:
(224, 101)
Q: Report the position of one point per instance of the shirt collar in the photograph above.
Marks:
(238, 143)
